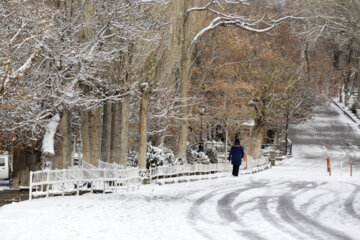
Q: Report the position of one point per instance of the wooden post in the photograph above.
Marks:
(329, 166)
(272, 158)
(351, 169)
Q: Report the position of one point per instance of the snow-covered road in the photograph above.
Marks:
(294, 200)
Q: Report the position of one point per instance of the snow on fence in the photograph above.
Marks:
(188, 169)
(107, 165)
(56, 182)
(111, 177)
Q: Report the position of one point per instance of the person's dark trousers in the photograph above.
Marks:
(235, 170)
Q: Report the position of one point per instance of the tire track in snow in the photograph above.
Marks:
(250, 235)
(349, 203)
(271, 218)
(194, 215)
(313, 229)
(263, 206)
(224, 206)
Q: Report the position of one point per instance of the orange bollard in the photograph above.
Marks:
(328, 166)
(350, 169)
(245, 158)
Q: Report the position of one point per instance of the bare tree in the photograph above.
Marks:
(335, 24)
(246, 15)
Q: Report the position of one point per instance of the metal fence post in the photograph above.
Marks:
(104, 180)
(30, 188)
(63, 182)
(150, 175)
(77, 182)
(47, 181)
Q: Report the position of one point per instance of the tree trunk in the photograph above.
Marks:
(307, 61)
(143, 131)
(257, 137)
(114, 132)
(24, 161)
(346, 87)
(95, 136)
(191, 24)
(106, 133)
(276, 140)
(226, 140)
(91, 135)
(85, 135)
(341, 93)
(115, 147)
(119, 132)
(180, 150)
(64, 155)
(124, 136)
(358, 93)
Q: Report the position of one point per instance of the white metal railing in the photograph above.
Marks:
(113, 176)
(188, 169)
(87, 165)
(45, 182)
(107, 165)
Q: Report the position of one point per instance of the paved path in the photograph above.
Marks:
(296, 199)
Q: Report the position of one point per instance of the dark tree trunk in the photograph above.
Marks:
(64, 152)
(24, 161)
(106, 133)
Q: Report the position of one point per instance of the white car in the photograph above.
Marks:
(4, 167)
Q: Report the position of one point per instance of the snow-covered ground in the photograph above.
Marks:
(296, 199)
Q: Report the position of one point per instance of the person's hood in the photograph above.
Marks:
(236, 144)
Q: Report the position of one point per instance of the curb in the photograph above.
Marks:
(203, 177)
(346, 113)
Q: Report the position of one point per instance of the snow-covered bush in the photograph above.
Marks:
(196, 157)
(132, 159)
(212, 155)
(355, 108)
(159, 156)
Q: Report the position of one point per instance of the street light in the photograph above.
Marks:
(201, 144)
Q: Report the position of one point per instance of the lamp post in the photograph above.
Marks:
(201, 144)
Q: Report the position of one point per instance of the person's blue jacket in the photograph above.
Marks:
(236, 154)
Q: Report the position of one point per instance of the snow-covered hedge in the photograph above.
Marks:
(159, 156)
(194, 156)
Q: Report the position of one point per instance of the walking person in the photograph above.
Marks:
(235, 156)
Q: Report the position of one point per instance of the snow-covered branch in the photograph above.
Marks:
(50, 130)
(224, 16)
